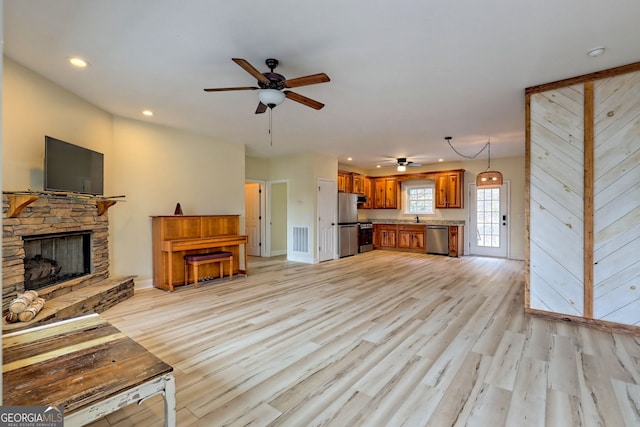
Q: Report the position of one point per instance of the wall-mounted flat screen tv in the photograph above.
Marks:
(72, 168)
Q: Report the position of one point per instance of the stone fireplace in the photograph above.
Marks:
(53, 243)
(54, 258)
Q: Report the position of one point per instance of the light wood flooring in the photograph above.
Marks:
(378, 339)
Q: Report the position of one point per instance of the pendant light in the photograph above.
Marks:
(489, 178)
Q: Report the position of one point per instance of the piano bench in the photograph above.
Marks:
(201, 259)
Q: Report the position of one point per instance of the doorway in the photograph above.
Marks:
(254, 205)
(489, 220)
(277, 218)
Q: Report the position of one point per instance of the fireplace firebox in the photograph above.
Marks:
(55, 258)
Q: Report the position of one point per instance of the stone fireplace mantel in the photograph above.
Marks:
(19, 200)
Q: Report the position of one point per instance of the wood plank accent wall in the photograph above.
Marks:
(556, 200)
(616, 290)
(583, 198)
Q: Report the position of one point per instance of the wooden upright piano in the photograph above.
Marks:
(177, 235)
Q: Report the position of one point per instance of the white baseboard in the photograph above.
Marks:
(143, 283)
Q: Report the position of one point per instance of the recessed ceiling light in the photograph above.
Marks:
(78, 62)
(378, 166)
(441, 160)
(349, 158)
(148, 113)
(595, 52)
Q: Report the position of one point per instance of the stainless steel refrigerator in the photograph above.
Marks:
(348, 224)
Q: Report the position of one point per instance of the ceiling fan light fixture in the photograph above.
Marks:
(271, 97)
(402, 168)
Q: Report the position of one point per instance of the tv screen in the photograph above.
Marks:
(71, 168)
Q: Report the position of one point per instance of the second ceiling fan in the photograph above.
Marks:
(272, 86)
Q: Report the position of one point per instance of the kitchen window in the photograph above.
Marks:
(419, 199)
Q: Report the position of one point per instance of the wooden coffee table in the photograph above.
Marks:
(85, 364)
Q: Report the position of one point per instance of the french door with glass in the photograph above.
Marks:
(488, 221)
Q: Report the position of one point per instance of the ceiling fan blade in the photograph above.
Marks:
(303, 100)
(261, 108)
(223, 89)
(414, 164)
(307, 80)
(250, 69)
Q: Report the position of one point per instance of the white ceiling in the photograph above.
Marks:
(404, 73)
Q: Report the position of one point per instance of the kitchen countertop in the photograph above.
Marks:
(422, 221)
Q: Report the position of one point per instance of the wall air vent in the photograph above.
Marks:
(300, 238)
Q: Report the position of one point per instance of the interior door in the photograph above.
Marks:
(327, 219)
(489, 221)
(253, 217)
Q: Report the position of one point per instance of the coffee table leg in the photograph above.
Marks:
(170, 401)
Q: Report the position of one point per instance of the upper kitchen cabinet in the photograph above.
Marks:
(386, 193)
(358, 184)
(583, 198)
(345, 182)
(449, 192)
(368, 192)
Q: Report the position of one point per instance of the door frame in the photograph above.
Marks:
(491, 252)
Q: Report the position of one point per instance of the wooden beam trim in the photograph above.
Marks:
(588, 198)
(602, 325)
(527, 202)
(624, 69)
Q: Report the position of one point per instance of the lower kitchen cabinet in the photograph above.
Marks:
(384, 236)
(412, 238)
(456, 238)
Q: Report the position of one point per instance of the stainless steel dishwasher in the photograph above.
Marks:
(438, 239)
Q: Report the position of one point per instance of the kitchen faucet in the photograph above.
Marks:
(417, 219)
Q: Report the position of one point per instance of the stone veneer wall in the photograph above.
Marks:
(45, 216)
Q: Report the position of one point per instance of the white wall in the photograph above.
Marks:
(157, 167)
(35, 107)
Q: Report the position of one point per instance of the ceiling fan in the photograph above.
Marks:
(402, 161)
(271, 86)
(402, 164)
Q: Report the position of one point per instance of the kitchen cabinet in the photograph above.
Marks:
(383, 192)
(358, 184)
(386, 191)
(368, 192)
(456, 237)
(384, 236)
(411, 237)
(449, 186)
(345, 182)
